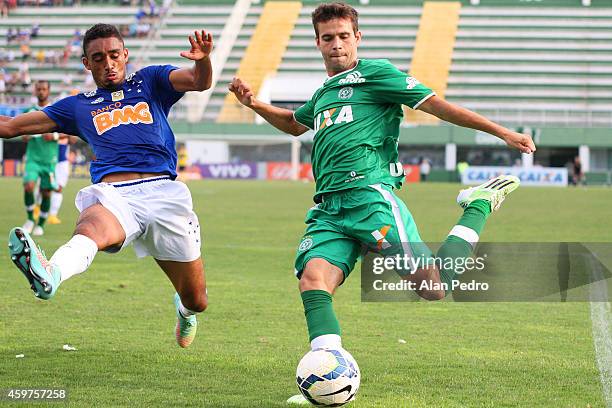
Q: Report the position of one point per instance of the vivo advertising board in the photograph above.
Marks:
(242, 170)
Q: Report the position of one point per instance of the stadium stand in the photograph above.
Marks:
(263, 54)
(55, 50)
(536, 66)
(433, 52)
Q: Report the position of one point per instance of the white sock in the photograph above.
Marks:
(184, 311)
(329, 341)
(56, 202)
(74, 256)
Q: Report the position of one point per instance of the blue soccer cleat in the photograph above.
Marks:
(44, 278)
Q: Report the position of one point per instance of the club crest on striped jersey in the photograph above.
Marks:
(117, 95)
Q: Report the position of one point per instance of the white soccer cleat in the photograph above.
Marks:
(493, 191)
(28, 226)
(38, 231)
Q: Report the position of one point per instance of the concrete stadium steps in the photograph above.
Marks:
(57, 26)
(230, 69)
(533, 63)
(183, 21)
(433, 52)
(271, 37)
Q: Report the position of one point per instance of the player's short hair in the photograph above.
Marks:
(100, 30)
(332, 11)
(43, 81)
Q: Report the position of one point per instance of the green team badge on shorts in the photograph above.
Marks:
(306, 244)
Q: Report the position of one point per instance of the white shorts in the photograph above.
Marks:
(62, 171)
(156, 214)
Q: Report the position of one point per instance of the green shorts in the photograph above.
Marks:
(43, 171)
(350, 222)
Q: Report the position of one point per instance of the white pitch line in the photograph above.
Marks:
(601, 318)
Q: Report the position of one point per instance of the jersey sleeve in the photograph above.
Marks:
(394, 86)
(62, 113)
(305, 114)
(159, 77)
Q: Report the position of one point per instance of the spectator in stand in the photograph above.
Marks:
(24, 73)
(66, 53)
(140, 14)
(40, 56)
(153, 9)
(4, 8)
(34, 31)
(2, 85)
(10, 35)
(26, 52)
(142, 30)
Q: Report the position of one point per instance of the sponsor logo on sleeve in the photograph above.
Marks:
(411, 82)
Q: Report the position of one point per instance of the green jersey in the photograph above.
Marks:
(39, 150)
(356, 116)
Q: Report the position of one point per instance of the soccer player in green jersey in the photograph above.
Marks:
(356, 115)
(40, 161)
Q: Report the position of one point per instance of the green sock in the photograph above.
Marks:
(459, 242)
(45, 205)
(28, 198)
(320, 316)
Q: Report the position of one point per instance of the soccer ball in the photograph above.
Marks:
(328, 377)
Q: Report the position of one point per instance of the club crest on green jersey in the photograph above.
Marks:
(305, 244)
(345, 93)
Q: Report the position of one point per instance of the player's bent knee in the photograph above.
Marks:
(312, 282)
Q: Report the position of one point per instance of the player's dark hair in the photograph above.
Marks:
(43, 81)
(100, 31)
(332, 11)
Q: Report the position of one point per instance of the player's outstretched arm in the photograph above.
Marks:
(280, 118)
(30, 123)
(464, 117)
(198, 77)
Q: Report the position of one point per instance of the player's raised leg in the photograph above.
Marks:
(478, 203)
(97, 229)
(190, 298)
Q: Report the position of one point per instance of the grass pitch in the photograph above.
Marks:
(120, 317)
